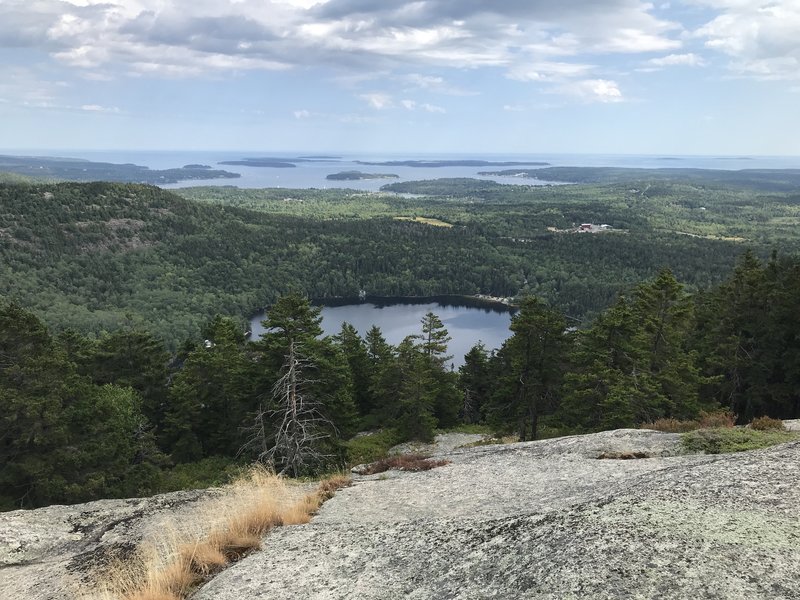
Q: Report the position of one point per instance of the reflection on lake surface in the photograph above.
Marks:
(467, 325)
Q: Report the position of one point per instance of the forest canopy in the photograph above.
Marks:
(100, 256)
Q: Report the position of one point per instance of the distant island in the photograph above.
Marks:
(52, 168)
(281, 162)
(357, 175)
(762, 179)
(274, 163)
(450, 163)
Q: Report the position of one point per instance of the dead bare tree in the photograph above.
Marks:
(288, 431)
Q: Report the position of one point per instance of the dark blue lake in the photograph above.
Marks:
(467, 325)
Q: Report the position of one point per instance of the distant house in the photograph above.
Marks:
(585, 227)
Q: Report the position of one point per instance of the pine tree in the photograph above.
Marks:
(634, 364)
(434, 339)
(307, 401)
(532, 361)
(474, 383)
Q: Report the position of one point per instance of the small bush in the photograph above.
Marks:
(671, 425)
(767, 424)
(209, 472)
(723, 440)
(370, 447)
(404, 462)
(717, 418)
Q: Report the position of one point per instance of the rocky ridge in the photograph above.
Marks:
(548, 519)
(545, 519)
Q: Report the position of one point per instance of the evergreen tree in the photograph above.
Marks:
(211, 396)
(475, 384)
(300, 367)
(360, 365)
(136, 359)
(434, 339)
(532, 362)
(634, 365)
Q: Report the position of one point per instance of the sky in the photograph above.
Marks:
(689, 77)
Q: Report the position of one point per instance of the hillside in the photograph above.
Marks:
(546, 519)
(97, 256)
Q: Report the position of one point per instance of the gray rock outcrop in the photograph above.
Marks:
(50, 553)
(546, 520)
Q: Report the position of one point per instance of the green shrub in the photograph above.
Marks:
(205, 473)
(767, 424)
(370, 447)
(722, 440)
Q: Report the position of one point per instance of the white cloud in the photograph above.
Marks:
(546, 71)
(761, 38)
(512, 108)
(301, 114)
(592, 90)
(100, 109)
(378, 100)
(674, 60)
(432, 108)
(413, 105)
(434, 84)
(162, 37)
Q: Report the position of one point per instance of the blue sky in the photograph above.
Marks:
(439, 76)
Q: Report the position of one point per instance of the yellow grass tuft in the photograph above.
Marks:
(222, 532)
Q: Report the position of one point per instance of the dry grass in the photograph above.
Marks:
(717, 418)
(171, 565)
(403, 462)
(706, 420)
(671, 425)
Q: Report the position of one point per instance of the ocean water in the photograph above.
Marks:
(312, 174)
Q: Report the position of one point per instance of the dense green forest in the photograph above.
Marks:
(97, 257)
(125, 370)
(82, 418)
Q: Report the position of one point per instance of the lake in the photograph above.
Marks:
(467, 325)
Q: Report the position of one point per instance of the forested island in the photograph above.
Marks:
(449, 163)
(278, 162)
(123, 313)
(757, 179)
(43, 168)
(359, 175)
